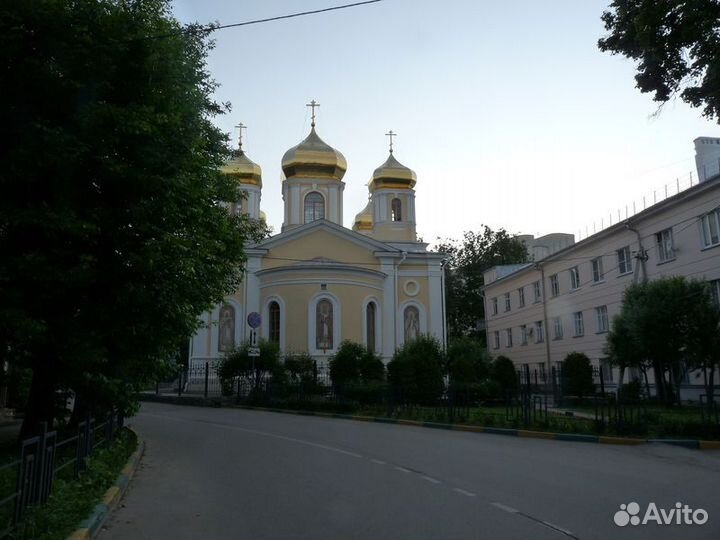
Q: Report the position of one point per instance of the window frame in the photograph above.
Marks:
(578, 317)
(557, 328)
(508, 338)
(507, 302)
(574, 278)
(625, 263)
(521, 297)
(706, 235)
(274, 311)
(315, 205)
(496, 339)
(537, 291)
(554, 286)
(523, 334)
(662, 239)
(601, 319)
(494, 302)
(539, 332)
(598, 272)
(396, 210)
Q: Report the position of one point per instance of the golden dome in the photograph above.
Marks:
(240, 167)
(393, 174)
(364, 218)
(263, 216)
(314, 158)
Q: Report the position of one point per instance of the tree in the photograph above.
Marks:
(301, 368)
(239, 363)
(577, 375)
(675, 323)
(113, 228)
(676, 45)
(467, 260)
(622, 349)
(468, 361)
(415, 372)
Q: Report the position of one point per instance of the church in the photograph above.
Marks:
(316, 282)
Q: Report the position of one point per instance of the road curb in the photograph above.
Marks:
(90, 528)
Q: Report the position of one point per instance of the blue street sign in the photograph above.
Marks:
(254, 319)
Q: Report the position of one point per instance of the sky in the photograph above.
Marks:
(507, 111)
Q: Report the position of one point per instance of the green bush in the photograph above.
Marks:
(468, 361)
(353, 363)
(577, 375)
(415, 372)
(504, 374)
(239, 363)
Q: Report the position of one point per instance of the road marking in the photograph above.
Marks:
(509, 509)
(431, 480)
(402, 469)
(557, 528)
(464, 492)
(379, 462)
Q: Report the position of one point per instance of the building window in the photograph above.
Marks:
(507, 301)
(521, 297)
(606, 370)
(539, 333)
(602, 319)
(494, 306)
(624, 260)
(711, 228)
(664, 240)
(554, 285)
(496, 340)
(597, 270)
(536, 291)
(579, 323)
(508, 337)
(523, 334)
(396, 209)
(715, 291)
(370, 312)
(274, 322)
(226, 329)
(314, 206)
(558, 327)
(574, 278)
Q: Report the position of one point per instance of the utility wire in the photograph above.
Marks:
(211, 28)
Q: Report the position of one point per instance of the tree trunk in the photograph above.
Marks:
(41, 402)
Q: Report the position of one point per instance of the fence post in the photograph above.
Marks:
(207, 375)
(602, 382)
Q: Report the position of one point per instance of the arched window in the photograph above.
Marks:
(370, 326)
(324, 325)
(226, 329)
(314, 206)
(412, 323)
(274, 322)
(396, 207)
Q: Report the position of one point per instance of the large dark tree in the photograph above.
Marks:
(676, 44)
(113, 233)
(467, 260)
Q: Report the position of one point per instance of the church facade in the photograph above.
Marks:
(316, 282)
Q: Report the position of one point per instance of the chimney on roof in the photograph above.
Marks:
(707, 157)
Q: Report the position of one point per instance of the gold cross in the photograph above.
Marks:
(312, 106)
(391, 134)
(240, 127)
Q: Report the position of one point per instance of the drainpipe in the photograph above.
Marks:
(548, 363)
(444, 318)
(397, 297)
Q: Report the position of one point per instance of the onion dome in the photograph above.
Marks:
(240, 167)
(393, 174)
(314, 158)
(263, 216)
(364, 219)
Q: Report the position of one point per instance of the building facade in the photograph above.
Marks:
(539, 312)
(317, 283)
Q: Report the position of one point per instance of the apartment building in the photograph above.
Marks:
(539, 312)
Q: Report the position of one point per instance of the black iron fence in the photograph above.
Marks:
(28, 480)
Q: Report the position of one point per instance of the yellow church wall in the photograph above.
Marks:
(320, 244)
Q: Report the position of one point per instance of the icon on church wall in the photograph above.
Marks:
(324, 325)
(412, 324)
(226, 329)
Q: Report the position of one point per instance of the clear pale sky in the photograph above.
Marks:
(507, 111)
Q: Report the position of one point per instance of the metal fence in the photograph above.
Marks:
(41, 459)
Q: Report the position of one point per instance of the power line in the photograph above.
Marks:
(212, 28)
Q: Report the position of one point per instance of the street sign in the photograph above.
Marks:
(254, 319)
(253, 351)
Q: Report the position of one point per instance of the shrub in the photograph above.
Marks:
(354, 363)
(577, 375)
(239, 363)
(415, 371)
(301, 368)
(503, 372)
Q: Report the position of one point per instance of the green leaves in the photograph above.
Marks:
(676, 45)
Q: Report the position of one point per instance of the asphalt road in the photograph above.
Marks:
(234, 474)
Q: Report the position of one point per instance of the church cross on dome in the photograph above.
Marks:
(312, 106)
(240, 127)
(391, 134)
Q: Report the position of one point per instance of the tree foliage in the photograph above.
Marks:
(468, 361)
(577, 375)
(239, 363)
(415, 372)
(504, 373)
(467, 260)
(354, 363)
(676, 45)
(113, 232)
(673, 325)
